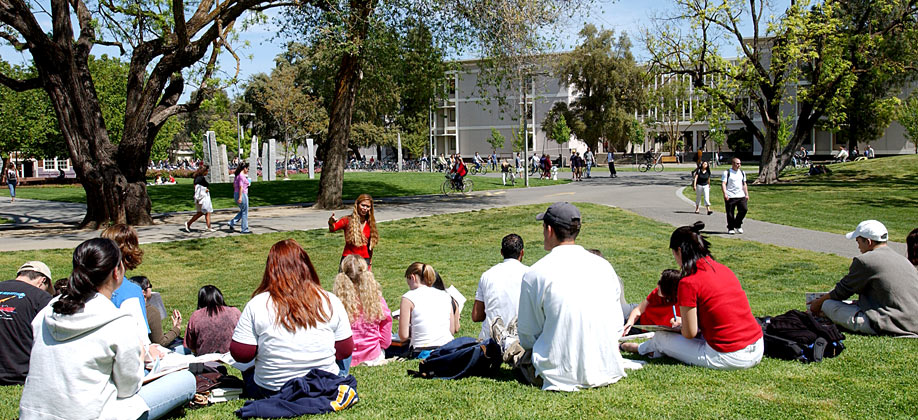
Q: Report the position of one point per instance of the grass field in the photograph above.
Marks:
(884, 189)
(299, 189)
(873, 378)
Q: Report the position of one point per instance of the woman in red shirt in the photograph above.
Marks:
(359, 238)
(718, 329)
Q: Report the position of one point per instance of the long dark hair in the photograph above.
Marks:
(241, 167)
(202, 171)
(693, 246)
(912, 246)
(93, 262)
(210, 297)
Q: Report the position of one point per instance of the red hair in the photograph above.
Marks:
(294, 286)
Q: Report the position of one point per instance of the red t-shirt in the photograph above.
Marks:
(724, 316)
(658, 312)
(350, 248)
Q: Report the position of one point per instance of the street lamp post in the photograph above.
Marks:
(239, 133)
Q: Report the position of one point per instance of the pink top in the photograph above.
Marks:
(371, 337)
(241, 184)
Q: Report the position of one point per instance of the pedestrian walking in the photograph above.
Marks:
(611, 158)
(588, 160)
(701, 183)
(12, 180)
(241, 196)
(202, 202)
(736, 196)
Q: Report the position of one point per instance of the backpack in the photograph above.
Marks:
(797, 335)
(462, 357)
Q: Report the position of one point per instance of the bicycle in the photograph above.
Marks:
(450, 187)
(482, 170)
(651, 163)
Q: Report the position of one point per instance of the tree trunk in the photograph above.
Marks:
(339, 129)
(113, 195)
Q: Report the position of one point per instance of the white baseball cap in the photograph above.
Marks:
(36, 266)
(870, 229)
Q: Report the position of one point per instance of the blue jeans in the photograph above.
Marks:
(165, 394)
(344, 366)
(12, 189)
(243, 216)
(589, 166)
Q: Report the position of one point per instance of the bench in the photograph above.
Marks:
(668, 159)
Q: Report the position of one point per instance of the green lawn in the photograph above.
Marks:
(299, 189)
(873, 378)
(884, 189)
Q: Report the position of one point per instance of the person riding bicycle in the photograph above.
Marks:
(648, 156)
(458, 171)
(478, 161)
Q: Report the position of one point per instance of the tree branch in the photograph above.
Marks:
(20, 85)
(15, 42)
(181, 32)
(112, 44)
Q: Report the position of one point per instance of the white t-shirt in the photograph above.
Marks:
(499, 290)
(735, 181)
(282, 354)
(430, 318)
(571, 318)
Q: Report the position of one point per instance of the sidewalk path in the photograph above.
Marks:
(653, 195)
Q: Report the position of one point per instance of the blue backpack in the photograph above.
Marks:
(460, 358)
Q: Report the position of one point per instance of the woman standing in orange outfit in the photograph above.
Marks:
(360, 235)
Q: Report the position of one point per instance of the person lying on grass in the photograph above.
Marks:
(712, 300)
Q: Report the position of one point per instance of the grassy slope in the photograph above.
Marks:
(300, 189)
(885, 189)
(869, 380)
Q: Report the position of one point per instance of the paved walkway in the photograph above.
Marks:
(653, 195)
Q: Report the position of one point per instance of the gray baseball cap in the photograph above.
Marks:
(36, 266)
(560, 214)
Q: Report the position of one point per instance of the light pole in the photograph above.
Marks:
(239, 133)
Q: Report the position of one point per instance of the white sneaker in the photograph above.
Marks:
(187, 228)
(739, 230)
(732, 232)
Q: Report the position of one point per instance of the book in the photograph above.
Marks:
(457, 295)
(658, 328)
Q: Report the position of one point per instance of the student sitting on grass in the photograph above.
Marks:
(210, 328)
(371, 320)
(659, 308)
(291, 325)
(87, 361)
(711, 300)
(886, 285)
(154, 322)
(427, 314)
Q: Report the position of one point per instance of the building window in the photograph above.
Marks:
(63, 164)
(49, 164)
(452, 115)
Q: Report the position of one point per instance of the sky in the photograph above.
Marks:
(262, 45)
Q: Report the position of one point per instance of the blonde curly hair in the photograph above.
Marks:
(358, 290)
(353, 233)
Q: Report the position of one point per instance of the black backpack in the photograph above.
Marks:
(460, 358)
(797, 335)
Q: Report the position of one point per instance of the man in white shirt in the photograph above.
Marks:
(570, 318)
(498, 294)
(736, 196)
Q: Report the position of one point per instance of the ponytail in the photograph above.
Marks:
(693, 246)
(93, 262)
(426, 274)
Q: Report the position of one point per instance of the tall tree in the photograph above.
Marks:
(908, 116)
(161, 43)
(801, 54)
(669, 111)
(603, 70)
